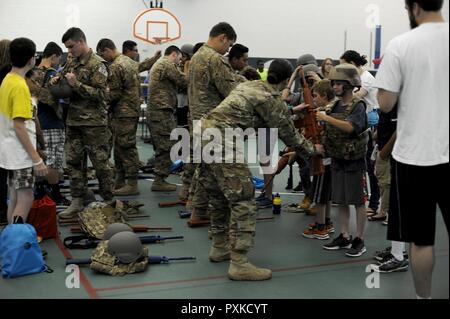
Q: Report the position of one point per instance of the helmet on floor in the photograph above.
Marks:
(115, 228)
(125, 246)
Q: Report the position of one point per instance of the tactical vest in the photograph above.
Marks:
(103, 262)
(342, 145)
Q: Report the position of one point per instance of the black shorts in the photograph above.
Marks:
(412, 208)
(321, 187)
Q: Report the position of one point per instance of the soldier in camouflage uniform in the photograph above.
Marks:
(86, 131)
(129, 48)
(165, 82)
(211, 79)
(254, 104)
(124, 86)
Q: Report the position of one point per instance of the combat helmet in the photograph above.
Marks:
(114, 229)
(345, 72)
(187, 49)
(125, 246)
(61, 90)
(306, 59)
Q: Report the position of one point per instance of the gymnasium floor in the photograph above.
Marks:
(301, 268)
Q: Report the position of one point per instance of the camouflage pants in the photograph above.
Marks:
(91, 141)
(126, 158)
(161, 124)
(231, 194)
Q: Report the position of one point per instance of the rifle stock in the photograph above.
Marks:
(311, 126)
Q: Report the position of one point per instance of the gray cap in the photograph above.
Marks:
(114, 229)
(126, 246)
(306, 59)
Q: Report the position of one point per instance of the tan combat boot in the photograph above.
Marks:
(72, 211)
(160, 185)
(306, 204)
(119, 181)
(241, 269)
(131, 188)
(220, 250)
(184, 193)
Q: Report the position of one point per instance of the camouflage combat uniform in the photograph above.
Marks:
(86, 131)
(229, 187)
(145, 65)
(165, 82)
(124, 88)
(211, 79)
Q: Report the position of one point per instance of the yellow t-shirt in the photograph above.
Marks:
(15, 102)
(263, 74)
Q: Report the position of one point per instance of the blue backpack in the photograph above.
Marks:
(20, 253)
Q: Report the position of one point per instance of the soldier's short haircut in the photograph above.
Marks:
(237, 51)
(128, 46)
(74, 34)
(427, 5)
(197, 47)
(223, 28)
(171, 50)
(105, 44)
(324, 88)
(50, 49)
(21, 50)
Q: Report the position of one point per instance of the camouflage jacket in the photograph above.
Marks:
(164, 84)
(145, 65)
(103, 262)
(39, 89)
(124, 88)
(88, 104)
(211, 79)
(258, 104)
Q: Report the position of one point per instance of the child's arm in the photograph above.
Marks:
(21, 131)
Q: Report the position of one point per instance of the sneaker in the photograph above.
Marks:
(383, 255)
(357, 248)
(264, 203)
(316, 233)
(329, 227)
(298, 188)
(339, 243)
(260, 197)
(391, 264)
(63, 201)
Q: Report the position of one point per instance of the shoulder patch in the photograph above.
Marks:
(103, 70)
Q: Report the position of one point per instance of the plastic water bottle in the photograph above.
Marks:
(276, 207)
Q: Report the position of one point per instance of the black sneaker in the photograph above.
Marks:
(339, 243)
(357, 248)
(391, 264)
(382, 255)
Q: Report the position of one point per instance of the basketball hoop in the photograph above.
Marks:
(159, 40)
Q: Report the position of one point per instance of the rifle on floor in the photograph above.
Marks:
(83, 242)
(136, 229)
(172, 204)
(153, 260)
(206, 222)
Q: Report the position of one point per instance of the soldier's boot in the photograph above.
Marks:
(220, 249)
(306, 203)
(184, 193)
(241, 269)
(119, 181)
(72, 211)
(131, 188)
(160, 185)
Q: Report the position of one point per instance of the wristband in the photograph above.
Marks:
(38, 163)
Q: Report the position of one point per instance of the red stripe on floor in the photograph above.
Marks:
(83, 279)
(160, 283)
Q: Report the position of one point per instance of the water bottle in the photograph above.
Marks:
(276, 207)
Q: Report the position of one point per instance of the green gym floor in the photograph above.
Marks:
(302, 269)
